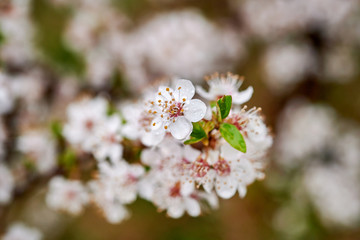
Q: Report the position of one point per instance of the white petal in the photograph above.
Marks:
(187, 90)
(156, 124)
(192, 207)
(225, 187)
(209, 184)
(208, 114)
(203, 93)
(181, 128)
(229, 153)
(152, 138)
(176, 210)
(243, 96)
(187, 187)
(149, 156)
(190, 154)
(242, 190)
(195, 110)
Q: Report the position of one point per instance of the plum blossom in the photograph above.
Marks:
(83, 118)
(40, 149)
(6, 95)
(138, 122)
(7, 184)
(67, 195)
(227, 169)
(107, 137)
(220, 85)
(19, 231)
(120, 180)
(167, 184)
(113, 210)
(174, 110)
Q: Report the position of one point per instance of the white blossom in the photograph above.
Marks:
(67, 195)
(40, 148)
(138, 122)
(113, 210)
(6, 95)
(83, 118)
(107, 137)
(286, 65)
(220, 85)
(174, 110)
(7, 184)
(19, 231)
(179, 43)
(167, 185)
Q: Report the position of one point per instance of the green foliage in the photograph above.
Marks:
(2, 38)
(233, 136)
(56, 129)
(224, 106)
(197, 134)
(68, 159)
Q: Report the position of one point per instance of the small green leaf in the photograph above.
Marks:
(192, 141)
(198, 131)
(233, 136)
(68, 159)
(197, 134)
(56, 129)
(224, 105)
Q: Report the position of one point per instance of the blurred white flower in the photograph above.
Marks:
(274, 18)
(19, 231)
(107, 137)
(330, 189)
(83, 118)
(138, 124)
(6, 95)
(174, 110)
(113, 210)
(67, 195)
(120, 180)
(339, 64)
(40, 148)
(220, 85)
(7, 184)
(168, 185)
(16, 26)
(286, 65)
(305, 129)
(180, 43)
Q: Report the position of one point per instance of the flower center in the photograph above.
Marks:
(175, 190)
(199, 168)
(222, 168)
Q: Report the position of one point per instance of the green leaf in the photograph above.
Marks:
(224, 105)
(233, 136)
(68, 159)
(197, 134)
(198, 131)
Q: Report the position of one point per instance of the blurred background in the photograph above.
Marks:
(301, 56)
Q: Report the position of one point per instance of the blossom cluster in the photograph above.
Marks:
(191, 151)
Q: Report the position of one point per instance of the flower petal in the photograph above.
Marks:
(195, 110)
(203, 93)
(190, 154)
(242, 190)
(187, 187)
(243, 96)
(181, 128)
(176, 210)
(153, 138)
(192, 207)
(184, 89)
(226, 187)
